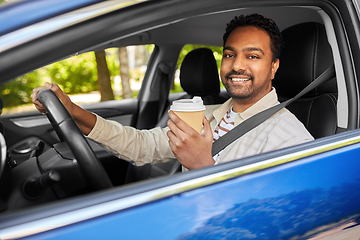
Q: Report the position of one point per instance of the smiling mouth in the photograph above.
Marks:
(239, 76)
(239, 79)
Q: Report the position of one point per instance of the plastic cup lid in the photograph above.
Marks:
(188, 105)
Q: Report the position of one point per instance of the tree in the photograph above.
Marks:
(104, 81)
(124, 73)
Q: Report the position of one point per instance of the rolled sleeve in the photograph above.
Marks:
(136, 146)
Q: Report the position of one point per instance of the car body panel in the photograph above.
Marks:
(35, 11)
(242, 204)
(317, 184)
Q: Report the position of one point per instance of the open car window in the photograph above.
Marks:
(88, 78)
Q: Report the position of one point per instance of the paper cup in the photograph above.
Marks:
(190, 111)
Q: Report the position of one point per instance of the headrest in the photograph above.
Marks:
(305, 56)
(199, 73)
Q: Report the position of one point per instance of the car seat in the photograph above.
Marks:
(305, 56)
(199, 77)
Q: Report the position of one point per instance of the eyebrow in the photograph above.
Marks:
(249, 49)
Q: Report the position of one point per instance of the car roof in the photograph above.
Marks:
(90, 25)
(35, 11)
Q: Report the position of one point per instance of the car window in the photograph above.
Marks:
(83, 77)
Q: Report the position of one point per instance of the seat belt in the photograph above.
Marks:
(260, 117)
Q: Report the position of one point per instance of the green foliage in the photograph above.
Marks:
(75, 75)
(78, 74)
(149, 48)
(176, 88)
(113, 63)
(18, 91)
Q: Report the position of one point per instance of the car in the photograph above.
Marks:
(307, 191)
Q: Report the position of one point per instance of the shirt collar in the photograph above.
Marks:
(266, 102)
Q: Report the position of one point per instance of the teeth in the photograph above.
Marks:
(239, 79)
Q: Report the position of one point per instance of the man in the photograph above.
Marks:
(250, 60)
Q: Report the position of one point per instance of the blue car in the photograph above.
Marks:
(57, 184)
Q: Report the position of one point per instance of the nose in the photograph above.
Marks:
(238, 64)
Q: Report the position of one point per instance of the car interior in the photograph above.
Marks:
(317, 110)
(310, 48)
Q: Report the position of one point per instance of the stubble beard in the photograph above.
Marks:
(240, 92)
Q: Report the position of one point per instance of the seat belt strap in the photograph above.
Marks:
(260, 117)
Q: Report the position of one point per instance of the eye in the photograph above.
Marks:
(228, 55)
(253, 57)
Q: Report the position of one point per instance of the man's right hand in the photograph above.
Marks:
(84, 119)
(65, 99)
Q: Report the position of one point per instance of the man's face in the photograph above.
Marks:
(247, 68)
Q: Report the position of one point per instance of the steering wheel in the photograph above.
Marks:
(3, 152)
(68, 131)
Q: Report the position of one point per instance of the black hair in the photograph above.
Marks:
(261, 22)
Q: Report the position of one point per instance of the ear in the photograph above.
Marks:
(274, 68)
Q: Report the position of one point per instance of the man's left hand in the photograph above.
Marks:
(192, 149)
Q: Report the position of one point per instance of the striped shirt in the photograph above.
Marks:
(226, 124)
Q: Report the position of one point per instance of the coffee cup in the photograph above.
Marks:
(190, 111)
